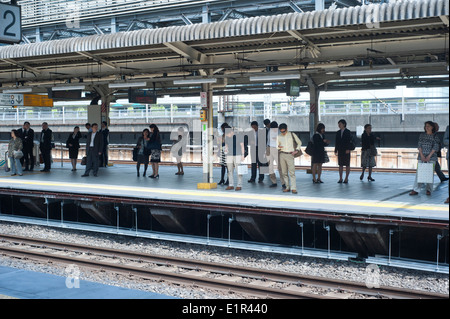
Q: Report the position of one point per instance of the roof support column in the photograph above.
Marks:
(208, 140)
(314, 93)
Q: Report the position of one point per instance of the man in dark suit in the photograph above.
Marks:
(94, 149)
(27, 135)
(256, 140)
(343, 147)
(45, 146)
(105, 133)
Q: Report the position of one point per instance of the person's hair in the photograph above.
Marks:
(146, 129)
(431, 123)
(344, 122)
(27, 123)
(106, 123)
(87, 124)
(367, 125)
(76, 127)
(320, 127)
(16, 133)
(266, 122)
(283, 126)
(254, 123)
(274, 124)
(153, 126)
(44, 123)
(94, 124)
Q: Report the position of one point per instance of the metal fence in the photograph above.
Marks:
(253, 109)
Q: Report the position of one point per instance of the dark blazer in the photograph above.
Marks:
(27, 138)
(367, 141)
(98, 143)
(318, 148)
(46, 140)
(343, 143)
(74, 141)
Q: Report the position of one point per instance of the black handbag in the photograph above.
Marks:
(135, 154)
(309, 148)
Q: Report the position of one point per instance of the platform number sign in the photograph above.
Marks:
(10, 23)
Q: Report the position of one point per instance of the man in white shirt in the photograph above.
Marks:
(94, 149)
(288, 146)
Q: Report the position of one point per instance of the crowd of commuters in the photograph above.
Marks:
(269, 146)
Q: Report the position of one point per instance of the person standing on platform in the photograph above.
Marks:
(343, 147)
(27, 135)
(155, 150)
(368, 152)
(273, 154)
(288, 145)
(428, 147)
(446, 145)
(46, 146)
(254, 142)
(223, 155)
(73, 144)
(235, 150)
(94, 148)
(105, 134)
(319, 154)
(143, 151)
(178, 149)
(437, 167)
(15, 145)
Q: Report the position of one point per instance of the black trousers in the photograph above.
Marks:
(255, 166)
(46, 155)
(92, 161)
(28, 157)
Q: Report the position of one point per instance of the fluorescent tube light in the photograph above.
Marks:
(68, 88)
(275, 77)
(18, 90)
(370, 72)
(195, 81)
(127, 85)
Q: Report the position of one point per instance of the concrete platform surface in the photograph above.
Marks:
(387, 196)
(24, 284)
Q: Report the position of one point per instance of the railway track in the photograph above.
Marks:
(250, 282)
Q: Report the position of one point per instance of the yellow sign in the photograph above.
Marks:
(37, 100)
(203, 116)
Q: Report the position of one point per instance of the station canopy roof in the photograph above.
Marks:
(366, 47)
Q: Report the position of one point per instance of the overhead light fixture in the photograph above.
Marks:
(69, 88)
(275, 77)
(124, 85)
(18, 90)
(369, 72)
(195, 81)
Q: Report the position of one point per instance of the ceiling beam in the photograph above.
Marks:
(193, 55)
(22, 65)
(99, 60)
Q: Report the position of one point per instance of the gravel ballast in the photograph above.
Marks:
(341, 270)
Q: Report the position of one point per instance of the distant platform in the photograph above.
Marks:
(387, 196)
(24, 284)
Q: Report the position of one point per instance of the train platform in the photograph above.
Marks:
(24, 284)
(388, 196)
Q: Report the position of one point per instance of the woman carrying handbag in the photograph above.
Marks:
(368, 152)
(428, 147)
(15, 153)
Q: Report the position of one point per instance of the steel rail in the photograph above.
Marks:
(202, 266)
